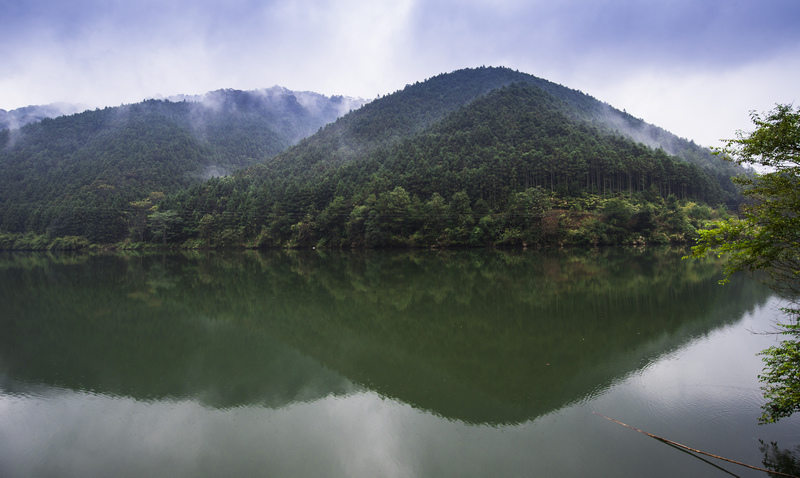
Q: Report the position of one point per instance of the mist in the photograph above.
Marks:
(17, 118)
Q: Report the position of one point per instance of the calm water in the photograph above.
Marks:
(381, 364)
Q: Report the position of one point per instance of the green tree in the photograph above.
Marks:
(524, 214)
(767, 237)
(164, 223)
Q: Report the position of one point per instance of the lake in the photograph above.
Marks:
(391, 363)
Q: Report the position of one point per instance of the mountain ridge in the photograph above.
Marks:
(379, 176)
(485, 144)
(440, 100)
(77, 174)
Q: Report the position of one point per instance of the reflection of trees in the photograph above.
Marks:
(132, 326)
(482, 336)
(780, 460)
(33, 260)
(498, 337)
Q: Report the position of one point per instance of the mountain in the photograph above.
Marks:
(477, 156)
(473, 157)
(78, 174)
(412, 110)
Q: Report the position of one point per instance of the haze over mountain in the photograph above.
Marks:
(410, 111)
(77, 174)
(19, 117)
(422, 166)
(478, 138)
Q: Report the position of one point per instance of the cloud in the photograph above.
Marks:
(137, 49)
(694, 68)
(706, 105)
(713, 32)
(623, 52)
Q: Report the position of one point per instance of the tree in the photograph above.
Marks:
(137, 220)
(781, 374)
(767, 237)
(163, 223)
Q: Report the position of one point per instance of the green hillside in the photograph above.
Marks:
(77, 175)
(465, 159)
(408, 112)
(485, 156)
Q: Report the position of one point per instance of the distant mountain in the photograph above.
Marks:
(19, 117)
(76, 175)
(294, 114)
(473, 157)
(410, 111)
(425, 165)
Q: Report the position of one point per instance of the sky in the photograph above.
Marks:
(694, 67)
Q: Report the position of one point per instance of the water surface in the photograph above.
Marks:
(468, 363)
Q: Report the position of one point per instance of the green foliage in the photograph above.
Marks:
(163, 224)
(89, 174)
(781, 374)
(767, 237)
(422, 167)
(68, 243)
(485, 156)
(40, 242)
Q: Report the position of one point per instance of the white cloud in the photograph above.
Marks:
(129, 52)
(330, 47)
(703, 105)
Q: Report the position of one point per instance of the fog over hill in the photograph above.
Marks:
(509, 151)
(473, 157)
(19, 117)
(77, 174)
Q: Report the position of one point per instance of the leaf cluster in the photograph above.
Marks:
(767, 237)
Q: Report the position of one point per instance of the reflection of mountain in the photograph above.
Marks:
(100, 326)
(477, 336)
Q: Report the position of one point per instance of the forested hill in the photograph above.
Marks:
(78, 174)
(474, 157)
(482, 156)
(413, 109)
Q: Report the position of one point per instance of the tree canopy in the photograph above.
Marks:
(767, 237)
(78, 174)
(477, 157)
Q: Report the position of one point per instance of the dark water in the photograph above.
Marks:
(472, 363)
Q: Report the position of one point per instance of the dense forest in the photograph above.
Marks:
(485, 156)
(78, 175)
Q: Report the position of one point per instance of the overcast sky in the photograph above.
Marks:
(694, 67)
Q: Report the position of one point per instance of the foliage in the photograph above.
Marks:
(512, 166)
(87, 174)
(781, 374)
(767, 237)
(477, 157)
(39, 242)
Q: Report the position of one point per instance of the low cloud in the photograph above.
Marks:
(673, 64)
